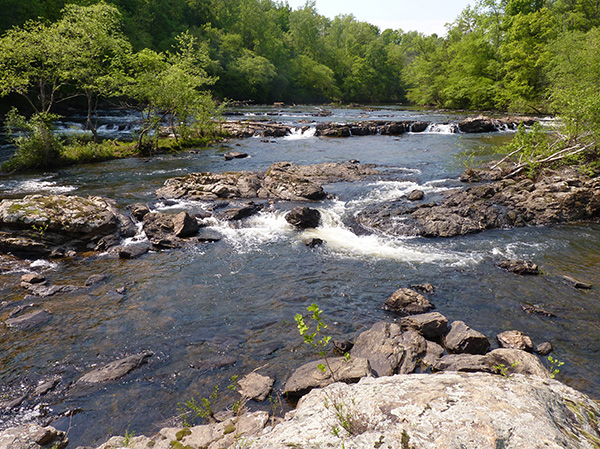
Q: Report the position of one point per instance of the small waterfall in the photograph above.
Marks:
(442, 128)
(299, 133)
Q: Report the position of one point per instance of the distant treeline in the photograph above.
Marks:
(499, 54)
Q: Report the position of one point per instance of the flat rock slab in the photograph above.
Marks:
(29, 320)
(449, 410)
(115, 370)
(337, 369)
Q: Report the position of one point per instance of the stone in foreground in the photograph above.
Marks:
(256, 386)
(33, 436)
(515, 340)
(309, 376)
(450, 410)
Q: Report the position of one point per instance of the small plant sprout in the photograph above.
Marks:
(502, 369)
(555, 364)
(311, 338)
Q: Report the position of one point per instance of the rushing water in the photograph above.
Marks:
(234, 301)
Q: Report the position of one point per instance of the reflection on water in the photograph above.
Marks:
(204, 305)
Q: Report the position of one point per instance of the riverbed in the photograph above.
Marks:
(210, 311)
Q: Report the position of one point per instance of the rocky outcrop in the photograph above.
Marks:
(555, 197)
(483, 124)
(419, 411)
(245, 129)
(519, 266)
(283, 180)
(41, 226)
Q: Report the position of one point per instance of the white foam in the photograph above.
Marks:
(385, 191)
(38, 185)
(297, 134)
(442, 128)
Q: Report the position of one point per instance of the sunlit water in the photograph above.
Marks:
(236, 298)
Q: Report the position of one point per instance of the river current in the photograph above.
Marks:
(214, 310)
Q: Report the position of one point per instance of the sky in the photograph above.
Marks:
(425, 16)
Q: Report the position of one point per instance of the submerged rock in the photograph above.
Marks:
(255, 386)
(115, 370)
(29, 320)
(521, 267)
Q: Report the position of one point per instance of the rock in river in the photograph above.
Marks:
(38, 225)
(303, 217)
(116, 369)
(405, 301)
(463, 339)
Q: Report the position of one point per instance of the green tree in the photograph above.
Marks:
(169, 86)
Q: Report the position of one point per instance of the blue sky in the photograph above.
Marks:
(426, 16)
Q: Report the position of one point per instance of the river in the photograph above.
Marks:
(233, 302)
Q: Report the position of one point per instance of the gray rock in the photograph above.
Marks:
(537, 310)
(255, 386)
(521, 267)
(139, 211)
(45, 291)
(337, 369)
(46, 386)
(424, 288)
(544, 349)
(29, 320)
(239, 213)
(208, 236)
(214, 363)
(477, 125)
(463, 339)
(303, 217)
(416, 195)
(234, 155)
(95, 279)
(577, 283)
(431, 325)
(515, 340)
(33, 278)
(388, 349)
(499, 361)
(185, 225)
(433, 354)
(405, 301)
(133, 251)
(115, 370)
(449, 410)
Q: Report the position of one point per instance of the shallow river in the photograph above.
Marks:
(233, 302)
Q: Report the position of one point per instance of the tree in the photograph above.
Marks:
(168, 86)
(96, 44)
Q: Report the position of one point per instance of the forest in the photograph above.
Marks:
(179, 58)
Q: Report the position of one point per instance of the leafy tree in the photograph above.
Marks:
(169, 86)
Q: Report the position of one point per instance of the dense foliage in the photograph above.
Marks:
(163, 56)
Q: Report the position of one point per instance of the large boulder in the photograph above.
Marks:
(431, 325)
(515, 340)
(477, 125)
(166, 230)
(463, 340)
(390, 350)
(38, 225)
(337, 369)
